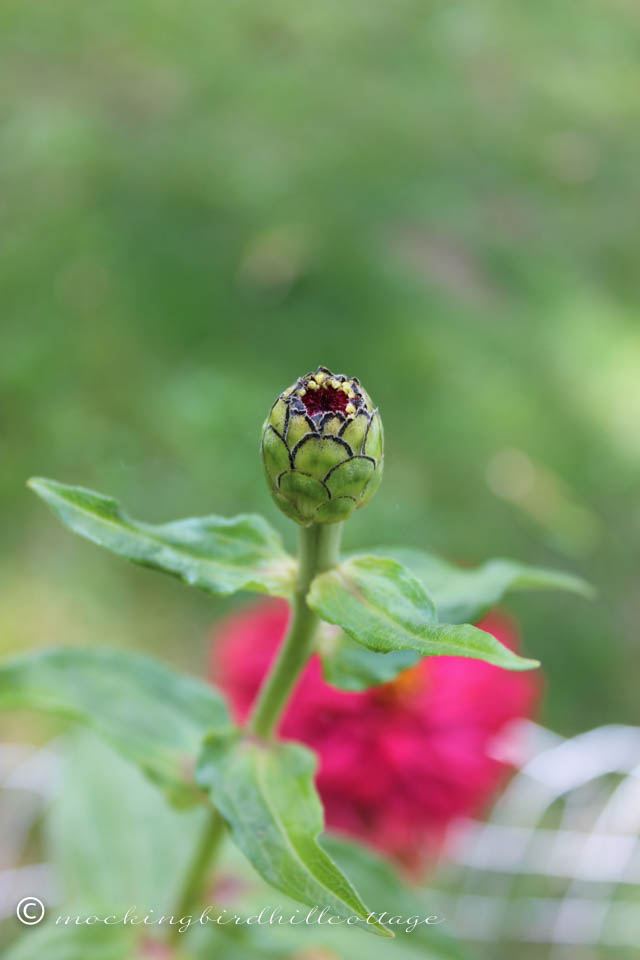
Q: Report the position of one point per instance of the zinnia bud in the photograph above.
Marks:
(322, 448)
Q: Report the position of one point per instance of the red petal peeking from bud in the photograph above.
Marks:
(325, 400)
(399, 761)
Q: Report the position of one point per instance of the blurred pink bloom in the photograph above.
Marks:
(399, 761)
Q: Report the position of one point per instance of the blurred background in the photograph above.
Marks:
(202, 201)
(199, 204)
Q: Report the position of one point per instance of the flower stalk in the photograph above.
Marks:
(319, 551)
(208, 845)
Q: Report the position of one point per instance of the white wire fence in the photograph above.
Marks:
(558, 861)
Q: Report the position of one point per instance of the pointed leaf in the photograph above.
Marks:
(465, 594)
(266, 794)
(217, 554)
(150, 713)
(382, 606)
(460, 594)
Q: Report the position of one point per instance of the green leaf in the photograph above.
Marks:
(465, 594)
(459, 594)
(266, 794)
(140, 852)
(150, 713)
(218, 555)
(382, 606)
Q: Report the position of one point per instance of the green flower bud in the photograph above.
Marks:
(322, 448)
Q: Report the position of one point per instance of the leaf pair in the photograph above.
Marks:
(408, 601)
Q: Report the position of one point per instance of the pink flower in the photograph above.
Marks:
(399, 761)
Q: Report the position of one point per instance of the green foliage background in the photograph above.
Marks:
(202, 201)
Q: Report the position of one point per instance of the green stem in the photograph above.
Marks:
(194, 882)
(319, 551)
